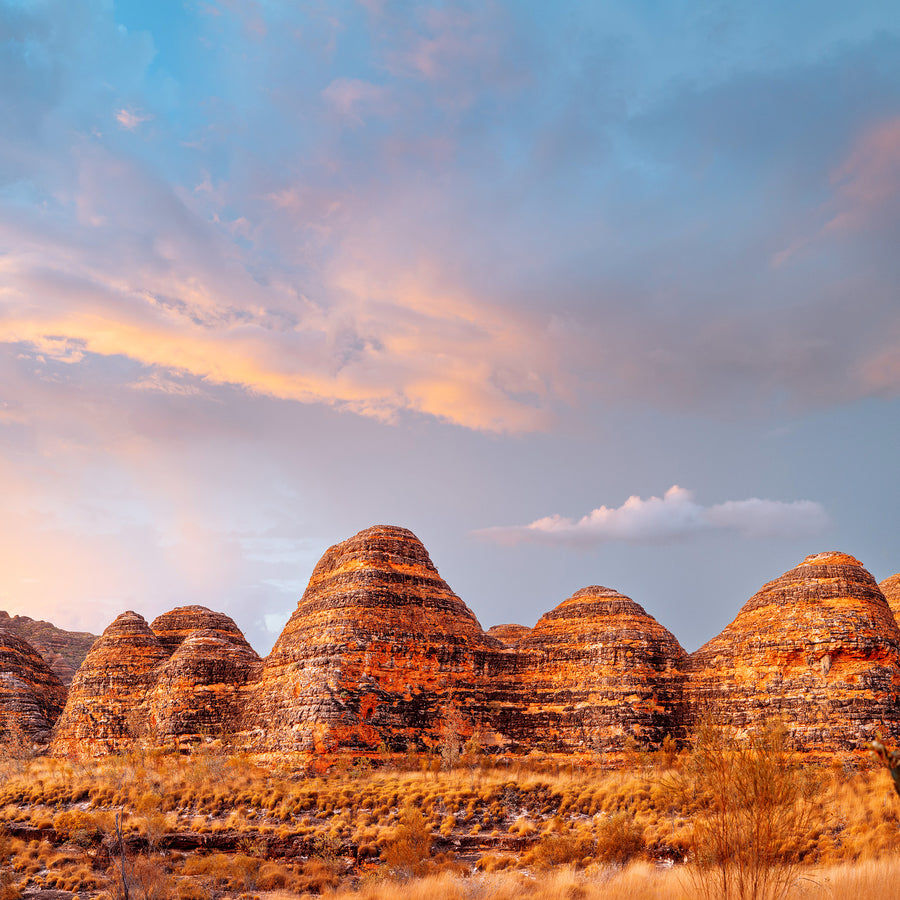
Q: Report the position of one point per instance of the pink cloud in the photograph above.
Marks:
(865, 187)
(130, 119)
(869, 178)
(390, 337)
(354, 99)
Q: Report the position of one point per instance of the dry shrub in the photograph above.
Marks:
(523, 826)
(316, 877)
(619, 839)
(495, 862)
(9, 890)
(191, 889)
(145, 879)
(86, 829)
(560, 850)
(410, 847)
(273, 876)
(230, 872)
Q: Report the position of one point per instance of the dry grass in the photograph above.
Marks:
(572, 824)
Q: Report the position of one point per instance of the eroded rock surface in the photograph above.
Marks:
(173, 627)
(378, 650)
(592, 672)
(105, 710)
(509, 634)
(31, 695)
(202, 689)
(187, 682)
(818, 649)
(890, 587)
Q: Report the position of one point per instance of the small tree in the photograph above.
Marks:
(451, 735)
(751, 808)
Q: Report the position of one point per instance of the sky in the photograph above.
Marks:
(581, 293)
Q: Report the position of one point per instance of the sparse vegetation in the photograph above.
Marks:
(210, 824)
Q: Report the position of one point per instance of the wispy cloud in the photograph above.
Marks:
(673, 516)
(354, 98)
(130, 119)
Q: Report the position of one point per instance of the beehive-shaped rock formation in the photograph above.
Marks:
(377, 650)
(173, 627)
(183, 678)
(202, 690)
(818, 649)
(592, 672)
(105, 710)
(31, 696)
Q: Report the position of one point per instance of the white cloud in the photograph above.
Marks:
(674, 515)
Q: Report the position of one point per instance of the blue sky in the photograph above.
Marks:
(272, 273)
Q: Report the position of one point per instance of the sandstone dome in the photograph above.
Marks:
(174, 626)
(817, 648)
(890, 587)
(104, 711)
(201, 691)
(509, 634)
(594, 671)
(376, 649)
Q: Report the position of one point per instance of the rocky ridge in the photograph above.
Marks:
(592, 672)
(381, 653)
(379, 650)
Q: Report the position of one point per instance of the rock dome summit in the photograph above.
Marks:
(381, 653)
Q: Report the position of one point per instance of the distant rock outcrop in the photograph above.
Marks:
(890, 587)
(31, 695)
(818, 649)
(379, 649)
(592, 672)
(510, 634)
(64, 651)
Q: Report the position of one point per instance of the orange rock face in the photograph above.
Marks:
(817, 648)
(593, 671)
(381, 651)
(202, 689)
(376, 650)
(31, 696)
(188, 681)
(105, 709)
(174, 626)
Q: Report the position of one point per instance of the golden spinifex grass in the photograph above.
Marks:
(870, 880)
(271, 823)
